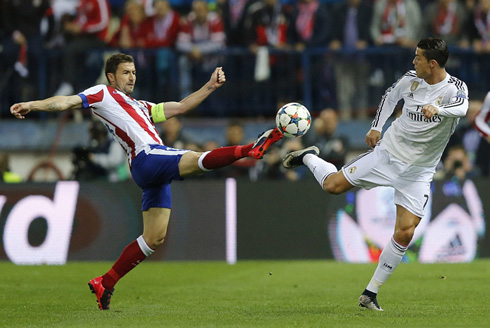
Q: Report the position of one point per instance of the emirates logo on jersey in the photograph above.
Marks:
(420, 117)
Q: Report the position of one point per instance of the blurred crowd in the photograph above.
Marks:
(194, 31)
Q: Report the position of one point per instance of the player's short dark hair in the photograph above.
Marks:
(113, 62)
(433, 48)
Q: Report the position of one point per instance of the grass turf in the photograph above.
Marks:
(248, 294)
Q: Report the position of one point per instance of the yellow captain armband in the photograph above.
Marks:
(157, 113)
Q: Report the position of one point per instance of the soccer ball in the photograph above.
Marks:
(293, 120)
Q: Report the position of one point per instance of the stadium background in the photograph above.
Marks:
(294, 224)
(294, 227)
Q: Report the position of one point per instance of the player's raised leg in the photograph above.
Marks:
(330, 179)
(194, 163)
(264, 141)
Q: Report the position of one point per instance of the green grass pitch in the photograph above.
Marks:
(248, 294)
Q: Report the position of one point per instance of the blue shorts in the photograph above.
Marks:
(153, 170)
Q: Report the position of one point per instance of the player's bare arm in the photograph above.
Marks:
(53, 104)
(372, 137)
(173, 108)
(430, 110)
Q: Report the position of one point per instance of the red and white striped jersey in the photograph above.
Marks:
(481, 120)
(129, 120)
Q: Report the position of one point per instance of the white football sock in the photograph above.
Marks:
(321, 169)
(389, 259)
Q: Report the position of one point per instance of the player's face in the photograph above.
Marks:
(125, 78)
(421, 64)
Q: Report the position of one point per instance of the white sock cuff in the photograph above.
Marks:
(398, 247)
(199, 161)
(144, 246)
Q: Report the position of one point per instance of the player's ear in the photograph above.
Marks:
(111, 78)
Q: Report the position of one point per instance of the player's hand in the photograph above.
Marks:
(20, 110)
(218, 77)
(372, 138)
(429, 111)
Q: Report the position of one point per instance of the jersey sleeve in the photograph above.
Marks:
(481, 120)
(458, 102)
(92, 96)
(388, 102)
(148, 105)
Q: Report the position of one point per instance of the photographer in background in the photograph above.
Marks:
(102, 159)
(471, 135)
(457, 165)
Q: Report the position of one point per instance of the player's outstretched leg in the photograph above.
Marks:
(103, 294)
(368, 300)
(264, 141)
(295, 158)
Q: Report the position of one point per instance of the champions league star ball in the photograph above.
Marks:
(293, 120)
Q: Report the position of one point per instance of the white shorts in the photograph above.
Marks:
(378, 167)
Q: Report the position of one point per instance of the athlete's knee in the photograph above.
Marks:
(331, 186)
(157, 243)
(404, 235)
(155, 223)
(406, 223)
(155, 240)
(189, 164)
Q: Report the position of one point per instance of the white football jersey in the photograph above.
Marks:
(129, 120)
(481, 120)
(411, 137)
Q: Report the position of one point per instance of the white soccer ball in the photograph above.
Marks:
(293, 120)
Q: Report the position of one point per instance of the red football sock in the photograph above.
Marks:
(221, 157)
(130, 257)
